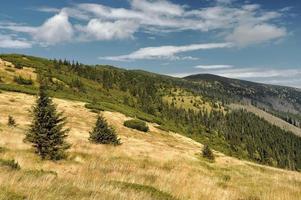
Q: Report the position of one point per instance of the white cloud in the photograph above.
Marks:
(100, 22)
(161, 7)
(165, 52)
(7, 41)
(251, 34)
(48, 9)
(100, 30)
(257, 73)
(54, 30)
(213, 66)
(225, 1)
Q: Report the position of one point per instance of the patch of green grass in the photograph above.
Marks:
(11, 164)
(152, 191)
(163, 128)
(19, 88)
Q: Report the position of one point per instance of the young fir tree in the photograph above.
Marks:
(102, 133)
(11, 121)
(47, 133)
(207, 153)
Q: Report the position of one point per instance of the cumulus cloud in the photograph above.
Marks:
(241, 23)
(100, 30)
(165, 52)
(54, 30)
(8, 42)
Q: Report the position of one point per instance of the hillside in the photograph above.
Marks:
(155, 165)
(277, 98)
(193, 109)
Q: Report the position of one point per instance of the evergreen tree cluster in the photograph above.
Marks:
(242, 134)
(47, 133)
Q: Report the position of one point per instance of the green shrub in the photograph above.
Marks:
(12, 164)
(23, 81)
(136, 124)
(18, 66)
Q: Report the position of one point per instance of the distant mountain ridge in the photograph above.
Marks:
(270, 97)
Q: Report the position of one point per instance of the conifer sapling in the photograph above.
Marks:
(11, 121)
(102, 133)
(207, 153)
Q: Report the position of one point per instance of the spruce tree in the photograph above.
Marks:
(102, 133)
(47, 133)
(11, 121)
(207, 153)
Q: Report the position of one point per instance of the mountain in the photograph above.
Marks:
(284, 102)
(199, 109)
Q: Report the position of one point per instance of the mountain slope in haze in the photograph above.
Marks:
(155, 165)
(284, 102)
(178, 105)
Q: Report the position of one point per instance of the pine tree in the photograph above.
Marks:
(47, 133)
(102, 133)
(11, 121)
(207, 153)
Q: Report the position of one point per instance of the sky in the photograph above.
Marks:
(256, 40)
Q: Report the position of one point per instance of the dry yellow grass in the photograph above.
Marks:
(8, 72)
(154, 165)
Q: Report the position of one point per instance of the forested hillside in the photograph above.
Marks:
(202, 115)
(283, 102)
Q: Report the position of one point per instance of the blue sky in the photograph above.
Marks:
(256, 40)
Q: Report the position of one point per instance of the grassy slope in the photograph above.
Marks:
(269, 117)
(154, 165)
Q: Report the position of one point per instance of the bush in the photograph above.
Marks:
(18, 66)
(136, 124)
(23, 81)
(12, 164)
(207, 153)
(11, 121)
